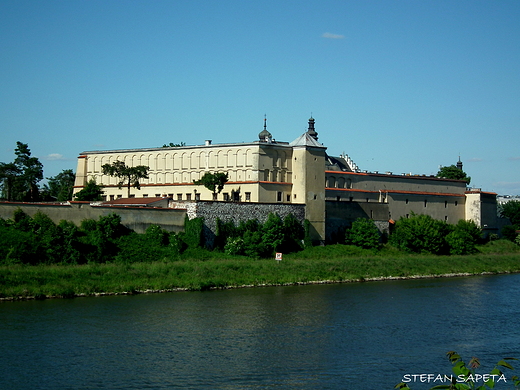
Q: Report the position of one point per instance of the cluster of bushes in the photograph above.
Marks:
(254, 239)
(38, 240)
(419, 234)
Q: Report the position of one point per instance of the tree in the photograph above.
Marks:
(31, 173)
(91, 192)
(8, 175)
(511, 210)
(363, 233)
(128, 175)
(59, 187)
(172, 145)
(213, 181)
(19, 179)
(452, 172)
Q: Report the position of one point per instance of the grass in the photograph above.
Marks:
(201, 270)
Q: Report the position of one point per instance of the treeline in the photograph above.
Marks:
(38, 240)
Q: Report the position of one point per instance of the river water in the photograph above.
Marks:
(341, 336)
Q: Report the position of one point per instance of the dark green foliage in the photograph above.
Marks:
(452, 172)
(420, 233)
(464, 237)
(307, 242)
(91, 192)
(363, 233)
(273, 232)
(293, 235)
(224, 231)
(511, 210)
(509, 232)
(193, 229)
(172, 145)
(213, 181)
(59, 187)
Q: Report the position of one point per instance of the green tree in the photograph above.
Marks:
(20, 178)
(420, 233)
(172, 145)
(363, 233)
(59, 187)
(91, 192)
(9, 173)
(128, 176)
(213, 181)
(452, 172)
(511, 210)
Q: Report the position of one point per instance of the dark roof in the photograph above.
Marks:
(133, 201)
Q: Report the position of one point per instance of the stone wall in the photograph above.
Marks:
(236, 212)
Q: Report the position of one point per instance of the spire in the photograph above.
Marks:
(459, 164)
(264, 135)
(311, 130)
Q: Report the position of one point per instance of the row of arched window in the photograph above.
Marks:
(213, 159)
(341, 182)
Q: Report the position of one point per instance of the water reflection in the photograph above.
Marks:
(306, 337)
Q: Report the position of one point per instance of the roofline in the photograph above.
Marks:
(395, 176)
(397, 192)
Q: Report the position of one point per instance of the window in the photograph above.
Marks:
(351, 198)
(338, 198)
(188, 196)
(279, 196)
(248, 196)
(179, 196)
(425, 202)
(170, 196)
(288, 197)
(214, 196)
(197, 196)
(132, 196)
(406, 201)
(445, 218)
(226, 197)
(236, 196)
(445, 203)
(456, 203)
(157, 195)
(119, 196)
(111, 197)
(145, 195)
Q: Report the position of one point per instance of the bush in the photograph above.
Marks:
(363, 233)
(273, 232)
(509, 232)
(193, 232)
(420, 233)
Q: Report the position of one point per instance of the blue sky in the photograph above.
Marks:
(401, 86)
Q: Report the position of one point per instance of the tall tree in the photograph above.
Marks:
(20, 178)
(59, 187)
(128, 176)
(213, 181)
(9, 173)
(453, 172)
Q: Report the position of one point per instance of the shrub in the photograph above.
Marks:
(420, 233)
(273, 232)
(509, 232)
(234, 246)
(193, 232)
(363, 233)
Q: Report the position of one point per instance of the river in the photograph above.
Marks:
(340, 336)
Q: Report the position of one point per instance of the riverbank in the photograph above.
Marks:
(330, 264)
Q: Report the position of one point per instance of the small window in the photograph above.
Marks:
(279, 196)
(406, 201)
(119, 196)
(456, 203)
(294, 196)
(407, 215)
(226, 197)
(338, 198)
(248, 196)
(425, 202)
(170, 196)
(288, 197)
(157, 195)
(315, 197)
(351, 199)
(145, 195)
(188, 196)
(111, 197)
(179, 196)
(445, 218)
(132, 196)
(197, 196)
(214, 196)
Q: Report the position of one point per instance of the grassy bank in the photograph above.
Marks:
(203, 270)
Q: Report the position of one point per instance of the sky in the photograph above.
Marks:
(402, 86)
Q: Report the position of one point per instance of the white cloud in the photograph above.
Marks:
(332, 36)
(54, 157)
(513, 159)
